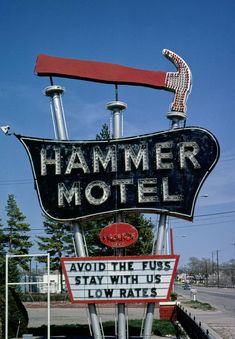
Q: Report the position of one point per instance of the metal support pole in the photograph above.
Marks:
(60, 129)
(121, 321)
(54, 92)
(6, 299)
(158, 246)
(116, 107)
(160, 235)
(81, 252)
(171, 241)
(176, 118)
(48, 298)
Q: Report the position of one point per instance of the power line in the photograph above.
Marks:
(15, 182)
(229, 159)
(217, 214)
(202, 225)
(212, 214)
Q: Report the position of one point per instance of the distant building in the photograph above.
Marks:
(55, 286)
(41, 283)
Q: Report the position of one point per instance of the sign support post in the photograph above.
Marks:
(116, 107)
(158, 246)
(175, 118)
(60, 129)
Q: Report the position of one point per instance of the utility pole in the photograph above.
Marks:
(212, 262)
(217, 267)
(234, 247)
(206, 273)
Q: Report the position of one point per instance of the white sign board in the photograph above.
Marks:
(120, 279)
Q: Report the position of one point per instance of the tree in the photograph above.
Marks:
(2, 251)
(14, 240)
(104, 133)
(16, 237)
(228, 273)
(198, 268)
(91, 231)
(143, 246)
(2, 276)
(58, 243)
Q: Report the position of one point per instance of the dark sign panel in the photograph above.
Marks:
(160, 172)
(119, 235)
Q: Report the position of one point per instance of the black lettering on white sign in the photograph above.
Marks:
(122, 278)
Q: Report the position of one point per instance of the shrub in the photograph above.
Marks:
(174, 296)
(17, 314)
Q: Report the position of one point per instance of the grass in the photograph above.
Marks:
(199, 305)
(160, 327)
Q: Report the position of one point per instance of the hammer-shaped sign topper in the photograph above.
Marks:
(178, 82)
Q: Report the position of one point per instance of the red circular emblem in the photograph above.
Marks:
(118, 235)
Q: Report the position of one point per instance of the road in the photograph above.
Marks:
(221, 298)
(66, 313)
(222, 320)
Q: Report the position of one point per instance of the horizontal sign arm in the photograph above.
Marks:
(178, 82)
(98, 71)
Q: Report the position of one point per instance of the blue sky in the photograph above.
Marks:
(131, 33)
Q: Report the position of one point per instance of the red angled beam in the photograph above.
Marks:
(178, 82)
(98, 71)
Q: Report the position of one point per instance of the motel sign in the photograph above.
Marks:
(150, 173)
(160, 172)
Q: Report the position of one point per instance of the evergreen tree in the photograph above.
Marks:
(2, 251)
(2, 275)
(58, 243)
(143, 246)
(16, 236)
(91, 231)
(16, 229)
(104, 133)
